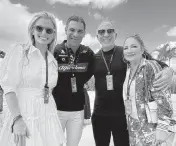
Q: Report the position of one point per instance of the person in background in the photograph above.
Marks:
(1, 107)
(75, 69)
(109, 71)
(29, 73)
(2, 55)
(1, 99)
(138, 91)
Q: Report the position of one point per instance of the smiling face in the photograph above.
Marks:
(132, 50)
(75, 32)
(106, 34)
(43, 31)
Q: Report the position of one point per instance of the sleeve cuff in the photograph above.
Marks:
(166, 126)
(163, 125)
(8, 89)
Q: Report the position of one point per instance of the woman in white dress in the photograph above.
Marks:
(29, 75)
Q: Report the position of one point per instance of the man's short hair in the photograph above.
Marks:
(77, 19)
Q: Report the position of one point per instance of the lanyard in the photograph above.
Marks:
(108, 68)
(73, 57)
(46, 61)
(130, 81)
(46, 96)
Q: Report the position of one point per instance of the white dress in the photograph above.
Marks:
(26, 76)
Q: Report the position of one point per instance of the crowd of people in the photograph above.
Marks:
(43, 86)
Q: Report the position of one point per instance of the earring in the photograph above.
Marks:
(144, 55)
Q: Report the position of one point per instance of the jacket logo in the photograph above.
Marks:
(80, 67)
(63, 59)
(62, 52)
(84, 51)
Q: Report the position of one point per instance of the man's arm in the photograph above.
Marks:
(163, 78)
(89, 73)
(162, 64)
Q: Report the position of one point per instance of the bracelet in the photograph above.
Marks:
(14, 120)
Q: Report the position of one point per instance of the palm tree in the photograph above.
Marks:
(162, 53)
(166, 53)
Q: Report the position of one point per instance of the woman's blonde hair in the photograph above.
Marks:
(36, 17)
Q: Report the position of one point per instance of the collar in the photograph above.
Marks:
(65, 46)
(33, 49)
(143, 63)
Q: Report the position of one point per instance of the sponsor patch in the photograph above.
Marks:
(84, 51)
(63, 59)
(60, 55)
(62, 52)
(79, 67)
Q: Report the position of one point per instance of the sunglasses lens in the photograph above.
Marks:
(101, 32)
(110, 31)
(49, 31)
(39, 28)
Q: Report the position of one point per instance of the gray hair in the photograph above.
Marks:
(106, 22)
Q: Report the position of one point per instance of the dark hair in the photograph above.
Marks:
(139, 39)
(77, 19)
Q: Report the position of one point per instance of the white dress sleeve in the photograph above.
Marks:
(11, 69)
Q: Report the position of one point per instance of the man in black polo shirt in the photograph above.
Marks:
(75, 69)
(109, 71)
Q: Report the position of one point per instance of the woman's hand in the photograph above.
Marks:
(20, 132)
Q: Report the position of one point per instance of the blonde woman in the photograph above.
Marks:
(30, 73)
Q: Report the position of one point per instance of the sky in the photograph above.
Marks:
(153, 20)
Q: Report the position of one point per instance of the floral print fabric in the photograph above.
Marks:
(141, 132)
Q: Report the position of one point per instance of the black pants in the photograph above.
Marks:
(103, 126)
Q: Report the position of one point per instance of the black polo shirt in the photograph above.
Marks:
(66, 100)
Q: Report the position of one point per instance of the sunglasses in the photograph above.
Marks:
(41, 28)
(109, 31)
